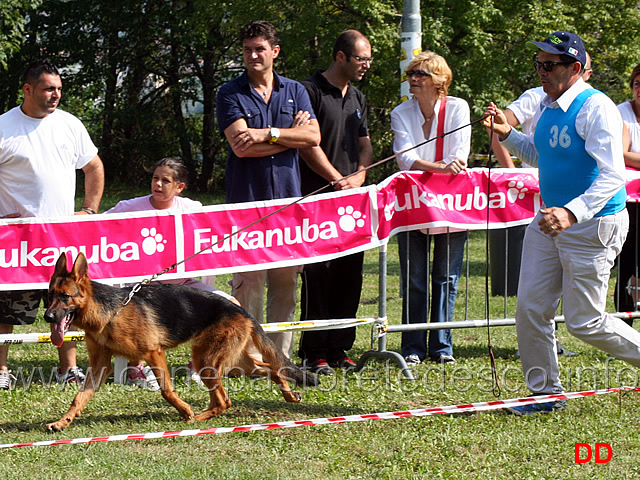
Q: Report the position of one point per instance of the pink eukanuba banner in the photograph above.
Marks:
(130, 247)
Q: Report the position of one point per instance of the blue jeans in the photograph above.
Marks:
(446, 266)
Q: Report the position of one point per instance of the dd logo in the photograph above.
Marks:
(585, 448)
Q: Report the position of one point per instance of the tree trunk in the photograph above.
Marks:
(208, 118)
(178, 116)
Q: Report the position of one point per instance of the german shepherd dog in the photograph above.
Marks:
(159, 316)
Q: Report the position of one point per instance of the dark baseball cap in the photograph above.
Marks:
(563, 43)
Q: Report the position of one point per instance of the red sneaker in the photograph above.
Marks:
(320, 367)
(345, 363)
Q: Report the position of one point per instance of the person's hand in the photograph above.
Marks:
(500, 124)
(353, 181)
(243, 139)
(11, 215)
(454, 167)
(555, 220)
(302, 118)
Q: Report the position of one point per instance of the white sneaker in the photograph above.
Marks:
(444, 358)
(142, 376)
(7, 381)
(412, 359)
(193, 376)
(73, 375)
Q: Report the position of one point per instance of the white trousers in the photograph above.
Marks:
(282, 283)
(575, 265)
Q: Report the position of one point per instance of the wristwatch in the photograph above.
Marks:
(275, 135)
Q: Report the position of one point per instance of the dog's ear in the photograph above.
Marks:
(80, 267)
(61, 265)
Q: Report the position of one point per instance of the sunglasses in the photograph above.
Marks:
(418, 73)
(548, 66)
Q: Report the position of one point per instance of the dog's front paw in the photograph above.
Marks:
(57, 426)
(187, 415)
(294, 397)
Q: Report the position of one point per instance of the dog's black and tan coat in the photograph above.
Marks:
(225, 338)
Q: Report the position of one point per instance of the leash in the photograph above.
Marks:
(136, 288)
(495, 384)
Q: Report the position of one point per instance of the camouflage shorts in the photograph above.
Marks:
(20, 307)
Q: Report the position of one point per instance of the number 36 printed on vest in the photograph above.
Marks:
(559, 137)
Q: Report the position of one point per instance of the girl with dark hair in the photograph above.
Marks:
(169, 180)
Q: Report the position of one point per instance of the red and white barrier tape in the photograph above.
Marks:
(421, 412)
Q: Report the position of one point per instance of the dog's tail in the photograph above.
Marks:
(273, 355)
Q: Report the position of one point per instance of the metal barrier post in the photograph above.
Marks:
(379, 329)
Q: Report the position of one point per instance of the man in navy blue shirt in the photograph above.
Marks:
(266, 118)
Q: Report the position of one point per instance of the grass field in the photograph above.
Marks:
(493, 445)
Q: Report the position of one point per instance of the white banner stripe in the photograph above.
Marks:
(332, 324)
(472, 407)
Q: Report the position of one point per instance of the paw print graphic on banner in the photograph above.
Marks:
(153, 241)
(516, 190)
(350, 218)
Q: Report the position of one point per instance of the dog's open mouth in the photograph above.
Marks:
(58, 329)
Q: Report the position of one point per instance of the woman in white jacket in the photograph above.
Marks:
(428, 114)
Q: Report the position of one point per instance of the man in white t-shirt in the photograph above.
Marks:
(41, 148)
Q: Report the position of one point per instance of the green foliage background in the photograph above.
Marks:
(144, 75)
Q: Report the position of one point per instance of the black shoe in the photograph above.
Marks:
(319, 367)
(564, 352)
(345, 362)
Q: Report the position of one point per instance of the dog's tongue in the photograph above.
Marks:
(57, 333)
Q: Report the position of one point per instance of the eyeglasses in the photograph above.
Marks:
(359, 59)
(548, 66)
(418, 73)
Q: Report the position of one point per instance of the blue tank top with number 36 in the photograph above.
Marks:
(566, 170)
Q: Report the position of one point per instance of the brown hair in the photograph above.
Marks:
(180, 172)
(260, 28)
(634, 74)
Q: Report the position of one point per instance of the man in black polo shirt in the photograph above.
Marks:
(332, 289)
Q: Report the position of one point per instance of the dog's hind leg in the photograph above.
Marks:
(274, 365)
(99, 370)
(158, 363)
(250, 364)
(288, 394)
(208, 355)
(218, 399)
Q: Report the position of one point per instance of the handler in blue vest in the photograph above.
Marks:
(572, 243)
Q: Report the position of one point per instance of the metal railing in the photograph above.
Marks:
(502, 284)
